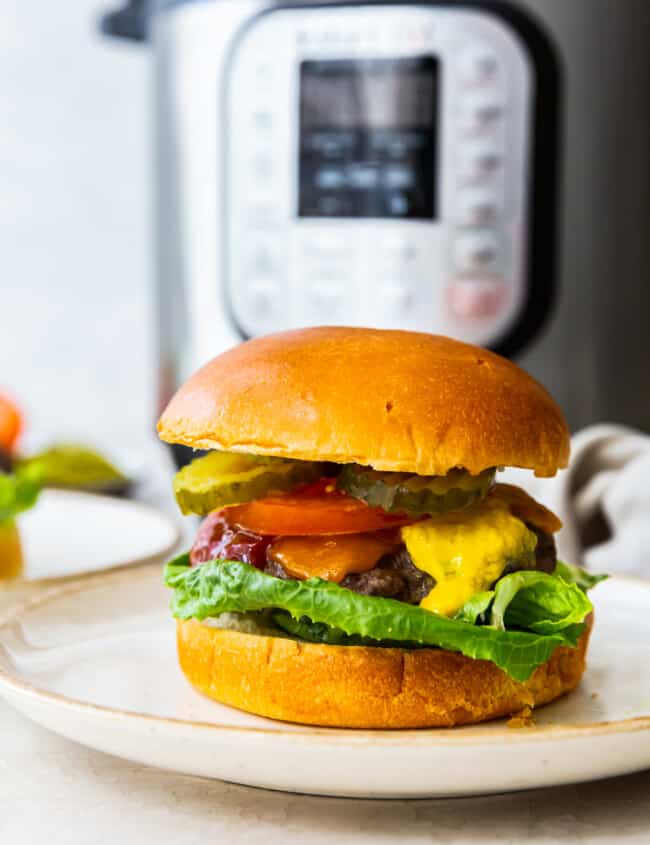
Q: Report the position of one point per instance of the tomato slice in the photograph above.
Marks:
(313, 509)
(10, 423)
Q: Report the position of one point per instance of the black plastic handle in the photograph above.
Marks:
(129, 22)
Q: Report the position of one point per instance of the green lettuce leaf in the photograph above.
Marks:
(317, 632)
(575, 575)
(534, 600)
(220, 586)
(18, 492)
(475, 609)
(537, 602)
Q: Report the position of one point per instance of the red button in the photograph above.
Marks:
(476, 299)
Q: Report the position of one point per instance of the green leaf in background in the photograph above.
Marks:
(227, 586)
(77, 467)
(538, 602)
(19, 492)
(575, 575)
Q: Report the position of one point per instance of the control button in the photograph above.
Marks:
(479, 113)
(325, 298)
(328, 272)
(331, 145)
(475, 299)
(397, 298)
(262, 120)
(333, 206)
(262, 168)
(261, 295)
(478, 206)
(264, 73)
(479, 161)
(331, 36)
(263, 261)
(478, 251)
(399, 251)
(397, 204)
(399, 177)
(478, 65)
(371, 33)
(397, 147)
(330, 178)
(363, 177)
(415, 35)
(351, 37)
(327, 247)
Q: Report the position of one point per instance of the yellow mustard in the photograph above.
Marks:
(466, 551)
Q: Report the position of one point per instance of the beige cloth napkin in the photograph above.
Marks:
(603, 499)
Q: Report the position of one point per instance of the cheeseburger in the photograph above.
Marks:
(359, 564)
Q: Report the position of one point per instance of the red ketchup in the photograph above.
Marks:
(217, 539)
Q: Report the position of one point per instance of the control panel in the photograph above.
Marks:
(377, 162)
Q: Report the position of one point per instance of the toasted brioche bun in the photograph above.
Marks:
(392, 400)
(360, 687)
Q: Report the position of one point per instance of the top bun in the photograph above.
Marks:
(393, 400)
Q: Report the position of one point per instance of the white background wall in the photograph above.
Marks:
(75, 267)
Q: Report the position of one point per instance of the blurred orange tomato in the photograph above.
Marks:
(10, 423)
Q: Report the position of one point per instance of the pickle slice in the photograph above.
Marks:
(225, 478)
(415, 495)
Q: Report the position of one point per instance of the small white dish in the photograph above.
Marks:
(95, 661)
(68, 533)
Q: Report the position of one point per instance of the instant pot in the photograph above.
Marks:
(397, 164)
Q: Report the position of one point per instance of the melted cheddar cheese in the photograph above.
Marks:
(466, 551)
(331, 557)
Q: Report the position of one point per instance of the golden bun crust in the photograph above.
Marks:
(392, 400)
(359, 687)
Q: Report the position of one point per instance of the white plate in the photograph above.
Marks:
(69, 534)
(96, 662)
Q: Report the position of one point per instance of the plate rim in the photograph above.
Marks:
(127, 563)
(473, 734)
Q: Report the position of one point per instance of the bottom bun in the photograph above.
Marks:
(364, 687)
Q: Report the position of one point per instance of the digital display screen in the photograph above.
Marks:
(368, 132)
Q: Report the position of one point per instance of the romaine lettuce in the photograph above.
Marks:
(575, 575)
(219, 586)
(475, 609)
(537, 602)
